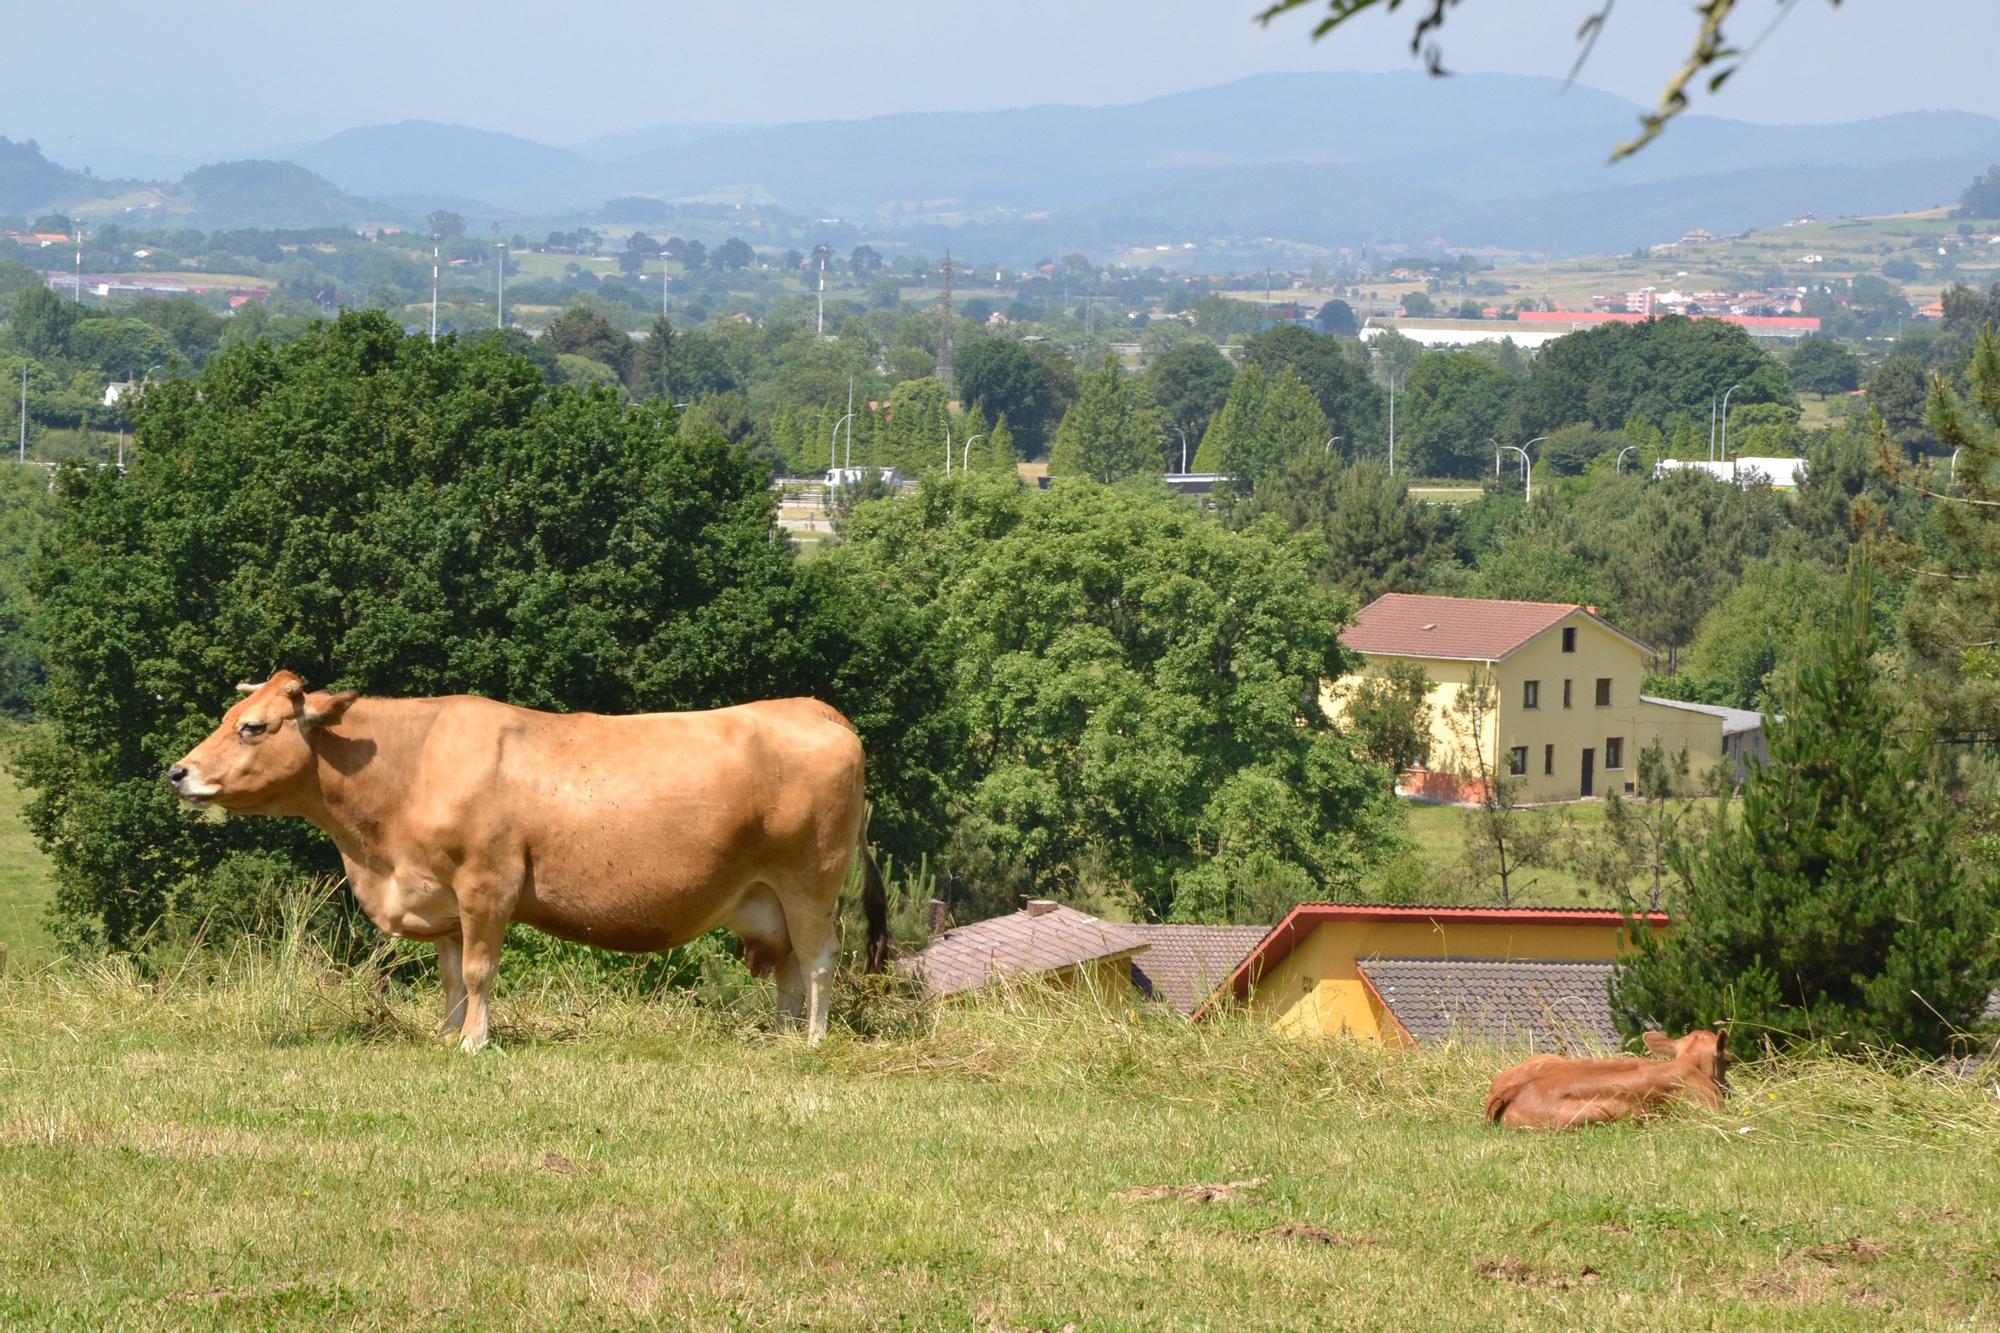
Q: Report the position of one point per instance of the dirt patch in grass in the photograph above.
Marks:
(1521, 1273)
(1304, 1233)
(1229, 1191)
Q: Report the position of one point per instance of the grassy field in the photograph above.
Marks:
(1437, 833)
(284, 1147)
(24, 879)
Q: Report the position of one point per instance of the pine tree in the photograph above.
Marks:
(913, 436)
(1288, 425)
(998, 453)
(1952, 629)
(1108, 433)
(1237, 421)
(1835, 907)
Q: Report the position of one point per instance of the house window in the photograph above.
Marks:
(1565, 694)
(1517, 761)
(1569, 639)
(1531, 694)
(1604, 691)
(1614, 752)
(1548, 760)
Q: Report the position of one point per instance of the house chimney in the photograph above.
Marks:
(937, 917)
(1039, 906)
(1591, 609)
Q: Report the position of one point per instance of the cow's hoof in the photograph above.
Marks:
(473, 1043)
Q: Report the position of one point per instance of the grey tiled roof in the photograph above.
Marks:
(1186, 964)
(1553, 1006)
(1040, 938)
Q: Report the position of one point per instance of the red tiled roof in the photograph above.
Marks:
(1302, 920)
(1043, 937)
(1477, 629)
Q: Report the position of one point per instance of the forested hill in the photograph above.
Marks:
(29, 182)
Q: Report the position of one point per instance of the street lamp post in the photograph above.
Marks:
(1183, 434)
(1618, 468)
(1725, 423)
(1527, 466)
(500, 300)
(1328, 447)
(833, 442)
(965, 455)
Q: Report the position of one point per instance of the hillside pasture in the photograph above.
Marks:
(269, 1142)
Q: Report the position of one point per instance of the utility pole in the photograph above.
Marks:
(435, 242)
(24, 411)
(944, 361)
(79, 263)
(500, 302)
(819, 313)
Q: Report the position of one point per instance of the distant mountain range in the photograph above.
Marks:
(1319, 160)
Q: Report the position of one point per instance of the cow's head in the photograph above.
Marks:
(263, 748)
(1705, 1050)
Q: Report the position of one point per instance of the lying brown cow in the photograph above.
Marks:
(456, 816)
(1552, 1093)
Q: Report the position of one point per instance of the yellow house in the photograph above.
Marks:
(1405, 975)
(1563, 711)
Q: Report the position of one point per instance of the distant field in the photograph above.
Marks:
(25, 885)
(1848, 246)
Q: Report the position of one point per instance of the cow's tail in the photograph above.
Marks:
(875, 907)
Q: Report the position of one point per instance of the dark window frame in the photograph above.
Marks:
(1604, 691)
(1531, 694)
(1614, 753)
(1517, 761)
(1569, 638)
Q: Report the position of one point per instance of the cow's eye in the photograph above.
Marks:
(252, 728)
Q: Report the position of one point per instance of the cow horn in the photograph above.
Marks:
(247, 687)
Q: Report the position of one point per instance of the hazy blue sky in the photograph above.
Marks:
(216, 76)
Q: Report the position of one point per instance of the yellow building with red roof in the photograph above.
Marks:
(1565, 716)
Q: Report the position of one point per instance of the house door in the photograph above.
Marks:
(1589, 771)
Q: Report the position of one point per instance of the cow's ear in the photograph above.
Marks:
(325, 709)
(1659, 1044)
(1721, 1040)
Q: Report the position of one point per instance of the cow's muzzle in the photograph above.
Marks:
(185, 783)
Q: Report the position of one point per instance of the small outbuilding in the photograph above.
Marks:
(1409, 975)
(1043, 939)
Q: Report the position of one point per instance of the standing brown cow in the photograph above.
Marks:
(1551, 1093)
(455, 816)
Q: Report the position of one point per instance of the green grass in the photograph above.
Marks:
(283, 1147)
(25, 886)
(1438, 832)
